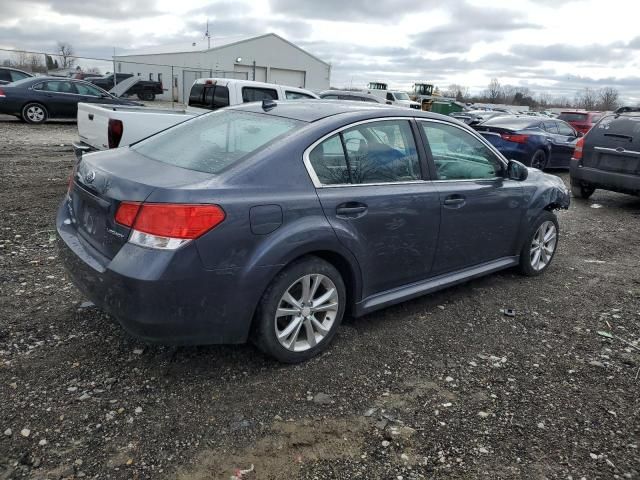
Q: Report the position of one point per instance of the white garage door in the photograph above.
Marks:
(261, 72)
(293, 78)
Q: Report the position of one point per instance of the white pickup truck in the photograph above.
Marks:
(101, 127)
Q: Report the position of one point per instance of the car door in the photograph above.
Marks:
(90, 94)
(480, 208)
(562, 149)
(370, 182)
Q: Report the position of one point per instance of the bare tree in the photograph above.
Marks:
(587, 99)
(494, 91)
(35, 63)
(65, 53)
(509, 91)
(608, 98)
(459, 92)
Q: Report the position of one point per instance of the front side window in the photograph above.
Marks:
(255, 94)
(297, 95)
(458, 155)
(566, 129)
(375, 152)
(15, 76)
(58, 86)
(210, 143)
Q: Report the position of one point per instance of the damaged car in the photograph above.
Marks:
(271, 221)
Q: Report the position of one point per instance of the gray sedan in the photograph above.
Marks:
(271, 221)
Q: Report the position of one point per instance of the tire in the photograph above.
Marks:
(537, 253)
(273, 321)
(539, 160)
(148, 96)
(580, 190)
(34, 113)
(139, 95)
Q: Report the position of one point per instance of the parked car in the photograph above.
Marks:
(537, 142)
(395, 97)
(581, 121)
(84, 75)
(271, 220)
(350, 95)
(37, 99)
(9, 75)
(143, 89)
(102, 127)
(475, 117)
(608, 157)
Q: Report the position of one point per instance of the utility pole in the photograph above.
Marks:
(254, 70)
(115, 81)
(208, 35)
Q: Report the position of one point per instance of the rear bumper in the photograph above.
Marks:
(160, 296)
(80, 148)
(614, 181)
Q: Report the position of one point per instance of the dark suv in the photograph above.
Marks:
(608, 157)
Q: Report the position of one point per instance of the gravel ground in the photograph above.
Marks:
(445, 386)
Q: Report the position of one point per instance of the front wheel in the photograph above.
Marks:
(300, 311)
(540, 247)
(35, 113)
(539, 160)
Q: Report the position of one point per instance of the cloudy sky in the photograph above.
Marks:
(551, 46)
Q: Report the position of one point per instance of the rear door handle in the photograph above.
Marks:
(454, 201)
(351, 209)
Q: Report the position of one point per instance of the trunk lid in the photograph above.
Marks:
(103, 180)
(614, 145)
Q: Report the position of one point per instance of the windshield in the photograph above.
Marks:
(401, 96)
(215, 141)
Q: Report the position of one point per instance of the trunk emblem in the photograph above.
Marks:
(90, 177)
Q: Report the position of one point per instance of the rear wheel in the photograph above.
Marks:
(301, 310)
(148, 96)
(539, 160)
(580, 190)
(34, 113)
(539, 249)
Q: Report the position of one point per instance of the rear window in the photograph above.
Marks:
(210, 143)
(211, 97)
(573, 117)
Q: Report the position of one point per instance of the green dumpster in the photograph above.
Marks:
(445, 108)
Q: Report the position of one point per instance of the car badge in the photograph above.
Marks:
(90, 177)
(620, 149)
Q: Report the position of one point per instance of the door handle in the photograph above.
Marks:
(351, 210)
(454, 201)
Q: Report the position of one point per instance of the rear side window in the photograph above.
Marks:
(458, 155)
(566, 129)
(210, 143)
(255, 94)
(5, 75)
(376, 152)
(550, 127)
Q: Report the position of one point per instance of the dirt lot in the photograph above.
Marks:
(446, 386)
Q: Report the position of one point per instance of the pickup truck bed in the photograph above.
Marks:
(95, 122)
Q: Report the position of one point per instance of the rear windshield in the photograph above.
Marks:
(212, 142)
(511, 122)
(207, 96)
(573, 117)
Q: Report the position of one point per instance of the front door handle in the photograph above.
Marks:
(454, 201)
(351, 210)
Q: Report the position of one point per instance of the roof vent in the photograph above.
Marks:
(268, 104)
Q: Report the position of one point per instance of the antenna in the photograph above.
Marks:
(208, 35)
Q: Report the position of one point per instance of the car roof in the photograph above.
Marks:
(16, 70)
(313, 110)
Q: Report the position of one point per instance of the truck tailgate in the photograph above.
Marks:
(137, 122)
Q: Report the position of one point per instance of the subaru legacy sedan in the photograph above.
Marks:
(271, 221)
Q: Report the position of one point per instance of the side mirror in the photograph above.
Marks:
(517, 171)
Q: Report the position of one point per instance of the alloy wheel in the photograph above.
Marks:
(35, 113)
(306, 312)
(543, 245)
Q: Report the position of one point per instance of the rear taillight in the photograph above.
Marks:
(2, 94)
(577, 152)
(515, 138)
(167, 225)
(114, 132)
